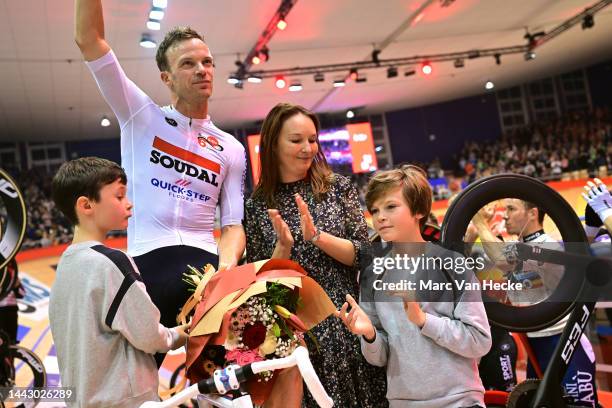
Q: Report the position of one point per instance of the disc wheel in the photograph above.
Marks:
(477, 195)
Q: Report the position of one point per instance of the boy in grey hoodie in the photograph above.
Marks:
(104, 325)
(430, 348)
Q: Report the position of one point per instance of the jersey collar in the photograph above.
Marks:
(533, 236)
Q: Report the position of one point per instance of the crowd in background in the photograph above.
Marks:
(576, 145)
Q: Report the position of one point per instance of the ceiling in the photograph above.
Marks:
(48, 93)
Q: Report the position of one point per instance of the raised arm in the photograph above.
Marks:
(89, 29)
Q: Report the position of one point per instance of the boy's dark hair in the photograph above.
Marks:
(83, 177)
(173, 37)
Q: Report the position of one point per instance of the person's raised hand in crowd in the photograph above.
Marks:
(284, 238)
(309, 230)
(357, 321)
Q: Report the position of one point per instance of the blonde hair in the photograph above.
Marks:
(415, 189)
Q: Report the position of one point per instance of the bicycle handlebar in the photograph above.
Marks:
(230, 378)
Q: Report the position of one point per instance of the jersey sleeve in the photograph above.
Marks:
(122, 95)
(232, 190)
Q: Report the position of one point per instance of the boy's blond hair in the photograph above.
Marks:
(413, 182)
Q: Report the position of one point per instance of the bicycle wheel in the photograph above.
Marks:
(29, 371)
(14, 229)
(492, 188)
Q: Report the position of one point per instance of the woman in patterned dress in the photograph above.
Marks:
(302, 211)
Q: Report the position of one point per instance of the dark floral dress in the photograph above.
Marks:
(346, 376)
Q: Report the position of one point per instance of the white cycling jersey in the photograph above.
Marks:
(178, 168)
(549, 275)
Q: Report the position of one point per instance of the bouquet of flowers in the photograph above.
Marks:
(250, 313)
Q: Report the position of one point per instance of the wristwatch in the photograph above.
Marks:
(316, 236)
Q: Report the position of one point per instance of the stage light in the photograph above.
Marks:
(588, 22)
(280, 82)
(254, 79)
(153, 25)
(361, 79)
(459, 63)
(497, 59)
(391, 72)
(350, 114)
(295, 86)
(233, 80)
(409, 72)
(147, 42)
(162, 4)
(264, 54)
(156, 13)
(353, 74)
(105, 122)
(255, 60)
(426, 68)
(281, 25)
(338, 83)
(529, 55)
(489, 85)
(319, 77)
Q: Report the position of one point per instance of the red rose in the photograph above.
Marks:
(253, 335)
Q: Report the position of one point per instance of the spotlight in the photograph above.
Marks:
(426, 68)
(280, 82)
(254, 79)
(233, 79)
(391, 72)
(264, 54)
(350, 114)
(162, 4)
(338, 83)
(529, 55)
(295, 86)
(409, 72)
(489, 85)
(147, 42)
(154, 25)
(353, 74)
(378, 148)
(459, 63)
(105, 122)
(255, 60)
(282, 24)
(497, 59)
(588, 22)
(361, 79)
(156, 13)
(319, 77)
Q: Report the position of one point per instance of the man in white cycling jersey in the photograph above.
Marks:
(179, 165)
(526, 221)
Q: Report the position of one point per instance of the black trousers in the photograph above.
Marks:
(162, 271)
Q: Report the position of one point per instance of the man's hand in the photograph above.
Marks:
(89, 29)
(357, 321)
(598, 197)
(415, 313)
